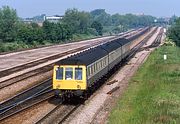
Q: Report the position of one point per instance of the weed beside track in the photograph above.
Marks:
(153, 95)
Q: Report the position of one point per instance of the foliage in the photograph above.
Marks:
(153, 95)
(96, 25)
(132, 21)
(74, 25)
(173, 19)
(174, 32)
(8, 24)
(77, 21)
(100, 16)
(5, 47)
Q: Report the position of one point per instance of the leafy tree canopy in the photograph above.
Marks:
(174, 32)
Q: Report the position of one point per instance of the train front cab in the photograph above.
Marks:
(69, 78)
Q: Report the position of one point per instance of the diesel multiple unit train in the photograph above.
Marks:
(78, 73)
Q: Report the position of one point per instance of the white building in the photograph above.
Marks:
(53, 18)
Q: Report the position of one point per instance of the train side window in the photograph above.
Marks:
(97, 66)
(69, 73)
(78, 73)
(100, 63)
(104, 61)
(88, 71)
(90, 68)
(59, 73)
(94, 68)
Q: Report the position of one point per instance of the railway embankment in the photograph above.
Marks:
(153, 94)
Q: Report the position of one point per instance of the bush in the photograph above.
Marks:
(5, 47)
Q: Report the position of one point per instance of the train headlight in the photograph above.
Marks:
(78, 87)
(58, 86)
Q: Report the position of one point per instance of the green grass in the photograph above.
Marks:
(153, 95)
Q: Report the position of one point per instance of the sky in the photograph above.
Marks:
(158, 8)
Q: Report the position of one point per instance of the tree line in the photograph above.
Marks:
(74, 23)
(174, 31)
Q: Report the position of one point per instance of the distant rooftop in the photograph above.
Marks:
(55, 18)
(41, 18)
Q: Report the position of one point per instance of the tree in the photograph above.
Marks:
(97, 26)
(174, 32)
(173, 19)
(101, 16)
(29, 33)
(49, 30)
(8, 23)
(78, 22)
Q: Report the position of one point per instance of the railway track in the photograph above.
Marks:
(62, 112)
(26, 99)
(156, 43)
(25, 76)
(59, 114)
(43, 69)
(26, 105)
(33, 63)
(133, 53)
(22, 102)
(56, 115)
(40, 61)
(45, 46)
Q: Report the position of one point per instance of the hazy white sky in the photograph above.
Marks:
(29, 8)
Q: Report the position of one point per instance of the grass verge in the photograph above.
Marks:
(20, 45)
(153, 95)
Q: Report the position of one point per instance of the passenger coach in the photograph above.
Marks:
(77, 73)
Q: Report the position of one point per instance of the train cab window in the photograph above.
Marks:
(78, 73)
(59, 73)
(69, 73)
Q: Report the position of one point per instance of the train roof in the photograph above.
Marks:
(84, 58)
(93, 54)
(115, 44)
